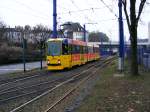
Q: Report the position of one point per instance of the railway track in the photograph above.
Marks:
(8, 85)
(78, 76)
(22, 76)
(16, 92)
(7, 82)
(107, 62)
(4, 82)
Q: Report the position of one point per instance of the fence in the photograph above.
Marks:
(143, 55)
(106, 50)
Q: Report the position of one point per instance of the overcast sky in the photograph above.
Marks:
(32, 12)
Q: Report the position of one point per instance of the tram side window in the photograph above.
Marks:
(72, 49)
(95, 49)
(78, 49)
(84, 49)
(90, 49)
(75, 49)
(69, 49)
(65, 49)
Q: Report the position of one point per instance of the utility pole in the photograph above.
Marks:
(121, 39)
(54, 19)
(24, 53)
(41, 52)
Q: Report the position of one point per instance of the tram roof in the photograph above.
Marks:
(70, 41)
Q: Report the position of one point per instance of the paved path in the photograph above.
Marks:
(19, 67)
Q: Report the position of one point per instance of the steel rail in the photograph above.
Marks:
(74, 88)
(19, 80)
(4, 81)
(33, 92)
(21, 88)
(68, 93)
(48, 91)
(35, 85)
(7, 89)
(45, 93)
(29, 93)
(22, 95)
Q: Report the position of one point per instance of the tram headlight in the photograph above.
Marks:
(48, 62)
(59, 62)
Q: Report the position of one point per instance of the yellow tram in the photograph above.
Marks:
(66, 53)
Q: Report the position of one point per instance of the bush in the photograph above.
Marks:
(13, 54)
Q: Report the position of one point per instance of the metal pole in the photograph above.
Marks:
(41, 52)
(121, 39)
(23, 44)
(84, 33)
(54, 19)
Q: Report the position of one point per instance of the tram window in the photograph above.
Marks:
(69, 49)
(90, 49)
(77, 49)
(54, 48)
(86, 49)
(64, 49)
(72, 49)
(82, 49)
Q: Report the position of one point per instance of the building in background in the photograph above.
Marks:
(74, 31)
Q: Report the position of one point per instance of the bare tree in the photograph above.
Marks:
(41, 33)
(132, 22)
(2, 30)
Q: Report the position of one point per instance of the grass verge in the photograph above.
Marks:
(118, 94)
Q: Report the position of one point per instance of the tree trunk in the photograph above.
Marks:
(134, 62)
(133, 36)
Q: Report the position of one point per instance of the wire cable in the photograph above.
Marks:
(86, 17)
(30, 8)
(107, 6)
(81, 10)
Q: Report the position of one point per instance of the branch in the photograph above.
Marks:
(124, 2)
(148, 3)
(140, 10)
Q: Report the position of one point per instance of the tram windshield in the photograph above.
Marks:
(54, 48)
